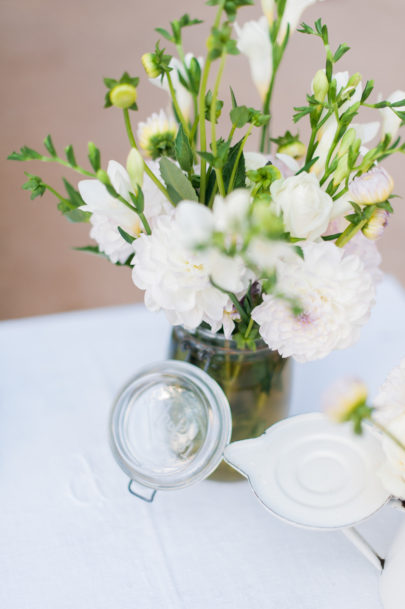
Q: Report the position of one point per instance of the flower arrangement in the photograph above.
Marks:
(275, 245)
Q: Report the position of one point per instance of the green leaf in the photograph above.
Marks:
(126, 236)
(341, 50)
(70, 155)
(94, 249)
(25, 154)
(233, 98)
(184, 153)
(35, 185)
(177, 184)
(164, 33)
(49, 146)
(367, 91)
(240, 116)
(240, 177)
(94, 156)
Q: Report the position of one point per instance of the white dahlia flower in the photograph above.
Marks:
(253, 40)
(177, 280)
(306, 208)
(368, 253)
(390, 401)
(157, 135)
(336, 294)
(392, 472)
(109, 213)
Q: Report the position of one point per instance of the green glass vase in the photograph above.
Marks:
(256, 383)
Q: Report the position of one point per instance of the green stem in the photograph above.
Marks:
(84, 172)
(146, 167)
(387, 432)
(203, 133)
(235, 167)
(145, 224)
(213, 112)
(353, 229)
(57, 194)
(176, 106)
(201, 104)
(265, 139)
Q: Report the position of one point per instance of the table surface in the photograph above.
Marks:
(72, 537)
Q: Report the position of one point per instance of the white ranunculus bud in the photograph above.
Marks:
(268, 7)
(306, 208)
(390, 121)
(375, 186)
(135, 168)
(343, 398)
(392, 473)
(375, 227)
(254, 41)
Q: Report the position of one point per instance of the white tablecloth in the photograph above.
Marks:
(72, 537)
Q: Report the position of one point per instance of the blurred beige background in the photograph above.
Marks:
(53, 57)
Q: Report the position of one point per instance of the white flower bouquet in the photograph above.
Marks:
(248, 244)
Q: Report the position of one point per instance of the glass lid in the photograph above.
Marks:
(170, 425)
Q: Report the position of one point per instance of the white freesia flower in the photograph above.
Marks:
(336, 294)
(177, 280)
(268, 7)
(292, 16)
(287, 165)
(227, 323)
(157, 134)
(184, 97)
(253, 40)
(392, 472)
(390, 400)
(109, 213)
(390, 121)
(305, 206)
(104, 232)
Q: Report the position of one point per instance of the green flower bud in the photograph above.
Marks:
(268, 7)
(320, 86)
(149, 64)
(123, 96)
(342, 170)
(102, 176)
(296, 149)
(135, 168)
(354, 80)
(347, 141)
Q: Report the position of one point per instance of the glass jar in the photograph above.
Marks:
(256, 383)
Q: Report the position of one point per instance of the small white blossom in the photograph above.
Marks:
(336, 294)
(104, 232)
(267, 255)
(392, 472)
(268, 7)
(377, 224)
(253, 40)
(305, 206)
(390, 400)
(390, 121)
(184, 97)
(343, 397)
